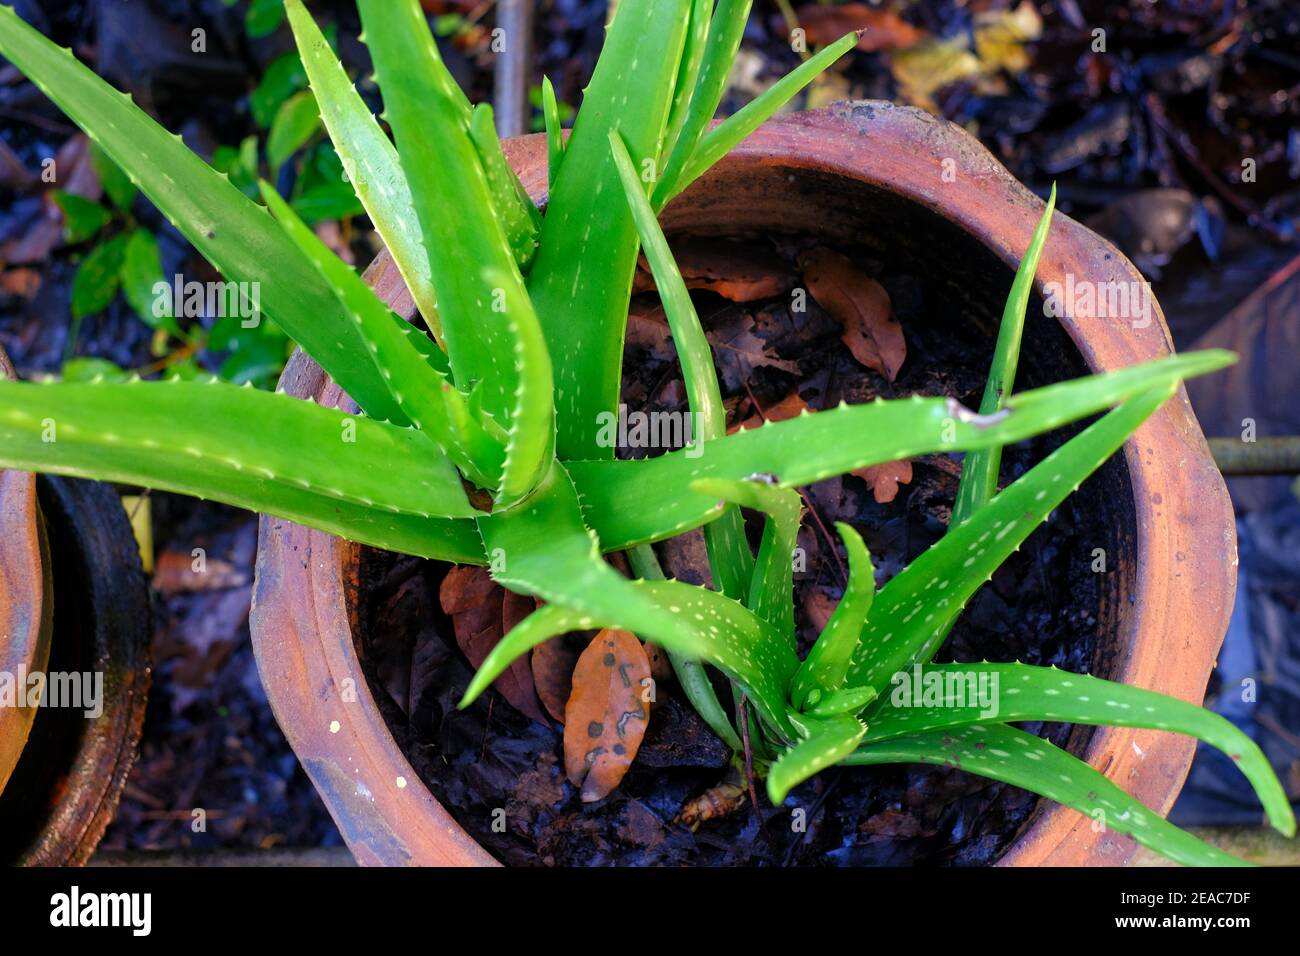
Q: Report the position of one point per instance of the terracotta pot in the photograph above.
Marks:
(25, 624)
(73, 598)
(911, 185)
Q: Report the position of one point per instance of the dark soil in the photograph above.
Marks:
(210, 742)
(1044, 606)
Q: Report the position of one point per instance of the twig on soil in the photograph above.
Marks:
(35, 119)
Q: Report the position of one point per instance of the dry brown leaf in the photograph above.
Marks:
(1001, 35)
(481, 613)
(819, 606)
(791, 406)
(605, 718)
(739, 350)
(553, 662)
(176, 572)
(647, 328)
(884, 479)
(739, 271)
(661, 669)
(927, 67)
(22, 283)
(862, 306)
(885, 30)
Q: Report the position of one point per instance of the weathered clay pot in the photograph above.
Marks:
(73, 598)
(25, 624)
(914, 186)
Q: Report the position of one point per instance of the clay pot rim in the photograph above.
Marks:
(1185, 536)
(115, 642)
(24, 611)
(106, 750)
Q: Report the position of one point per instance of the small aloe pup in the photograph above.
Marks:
(480, 443)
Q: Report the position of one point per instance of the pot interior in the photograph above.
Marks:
(962, 286)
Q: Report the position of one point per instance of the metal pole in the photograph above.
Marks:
(515, 20)
(1263, 456)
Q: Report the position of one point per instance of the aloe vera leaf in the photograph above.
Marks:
(430, 120)
(581, 279)
(850, 700)
(728, 134)
(726, 28)
(639, 606)
(431, 402)
(1023, 760)
(688, 72)
(215, 440)
(829, 740)
(979, 470)
(554, 134)
(813, 446)
(827, 664)
(426, 346)
(231, 231)
(519, 217)
(692, 677)
(913, 612)
(530, 444)
(455, 540)
(730, 559)
(771, 595)
(370, 160)
(1023, 692)
(542, 548)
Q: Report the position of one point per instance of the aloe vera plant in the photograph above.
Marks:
(479, 443)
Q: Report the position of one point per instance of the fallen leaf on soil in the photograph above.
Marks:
(686, 558)
(922, 70)
(647, 328)
(481, 613)
(661, 669)
(1001, 35)
(885, 30)
(739, 351)
(44, 232)
(884, 479)
(605, 718)
(22, 283)
(819, 606)
(14, 176)
(40, 238)
(176, 572)
(791, 406)
(739, 271)
(862, 306)
(552, 663)
(638, 826)
(893, 824)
